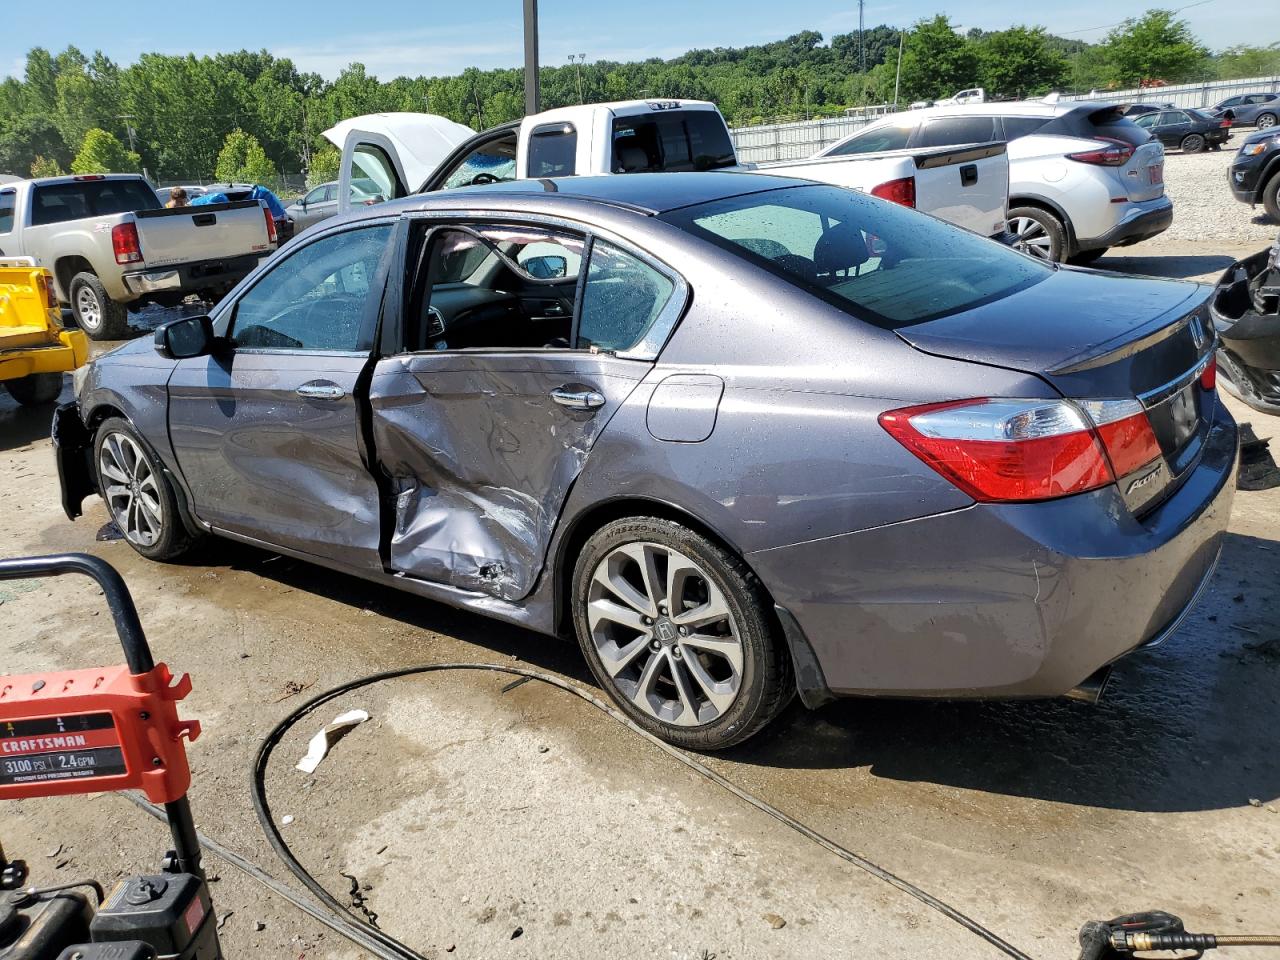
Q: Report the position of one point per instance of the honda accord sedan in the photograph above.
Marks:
(743, 436)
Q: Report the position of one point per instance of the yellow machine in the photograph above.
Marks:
(35, 349)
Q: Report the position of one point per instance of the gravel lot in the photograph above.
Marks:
(1203, 207)
(484, 822)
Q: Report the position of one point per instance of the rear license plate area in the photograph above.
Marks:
(1155, 173)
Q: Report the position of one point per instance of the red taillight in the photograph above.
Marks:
(1209, 376)
(1001, 450)
(124, 241)
(901, 191)
(1125, 432)
(1116, 153)
(88, 176)
(271, 226)
(1226, 124)
(1021, 450)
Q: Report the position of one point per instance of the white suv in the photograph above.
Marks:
(1082, 177)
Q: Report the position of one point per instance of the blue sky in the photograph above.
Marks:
(394, 37)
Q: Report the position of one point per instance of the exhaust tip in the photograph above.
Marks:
(1092, 687)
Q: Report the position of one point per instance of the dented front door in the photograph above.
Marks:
(481, 450)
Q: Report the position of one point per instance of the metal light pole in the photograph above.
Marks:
(897, 80)
(532, 91)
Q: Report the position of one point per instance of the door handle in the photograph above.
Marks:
(578, 398)
(321, 390)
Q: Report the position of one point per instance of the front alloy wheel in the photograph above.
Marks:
(679, 632)
(131, 490)
(139, 495)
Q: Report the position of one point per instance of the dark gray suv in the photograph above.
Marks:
(741, 435)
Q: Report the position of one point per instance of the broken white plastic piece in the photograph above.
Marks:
(327, 737)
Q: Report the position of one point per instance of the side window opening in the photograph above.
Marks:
(621, 299)
(553, 151)
(8, 204)
(317, 298)
(491, 162)
(493, 287)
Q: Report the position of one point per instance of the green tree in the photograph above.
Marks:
(46, 167)
(1245, 61)
(1155, 46)
(936, 61)
(102, 152)
(1019, 62)
(242, 160)
(324, 166)
(25, 138)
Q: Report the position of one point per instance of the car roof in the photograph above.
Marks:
(648, 193)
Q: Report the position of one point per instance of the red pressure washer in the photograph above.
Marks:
(92, 731)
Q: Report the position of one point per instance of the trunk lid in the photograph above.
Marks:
(1097, 336)
(218, 231)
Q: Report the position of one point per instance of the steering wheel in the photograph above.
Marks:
(480, 179)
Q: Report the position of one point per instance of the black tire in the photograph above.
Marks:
(1271, 197)
(172, 539)
(100, 317)
(1215, 146)
(764, 681)
(1192, 143)
(35, 389)
(1086, 257)
(1048, 243)
(1266, 121)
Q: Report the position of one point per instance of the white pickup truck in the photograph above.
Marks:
(112, 247)
(406, 153)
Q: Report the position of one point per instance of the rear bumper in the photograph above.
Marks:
(215, 276)
(1140, 221)
(1005, 600)
(73, 452)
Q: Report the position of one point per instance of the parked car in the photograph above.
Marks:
(1255, 171)
(164, 194)
(112, 247)
(320, 203)
(35, 349)
(967, 187)
(744, 435)
(1134, 110)
(1187, 130)
(1246, 312)
(1260, 109)
(972, 95)
(1069, 164)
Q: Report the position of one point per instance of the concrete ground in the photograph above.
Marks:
(526, 824)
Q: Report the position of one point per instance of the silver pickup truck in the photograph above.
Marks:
(112, 247)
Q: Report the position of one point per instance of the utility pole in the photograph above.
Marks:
(128, 128)
(578, 60)
(897, 81)
(532, 91)
(862, 55)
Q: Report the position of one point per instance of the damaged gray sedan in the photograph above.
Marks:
(742, 435)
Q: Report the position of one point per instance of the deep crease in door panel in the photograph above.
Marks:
(474, 505)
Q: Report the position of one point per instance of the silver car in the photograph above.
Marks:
(743, 436)
(1082, 177)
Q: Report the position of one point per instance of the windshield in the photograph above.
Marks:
(881, 262)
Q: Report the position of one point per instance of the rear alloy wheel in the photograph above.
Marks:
(1039, 233)
(678, 632)
(1266, 121)
(138, 495)
(35, 388)
(1192, 143)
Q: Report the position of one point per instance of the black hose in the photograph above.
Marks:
(397, 950)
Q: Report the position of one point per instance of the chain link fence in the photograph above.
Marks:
(286, 186)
